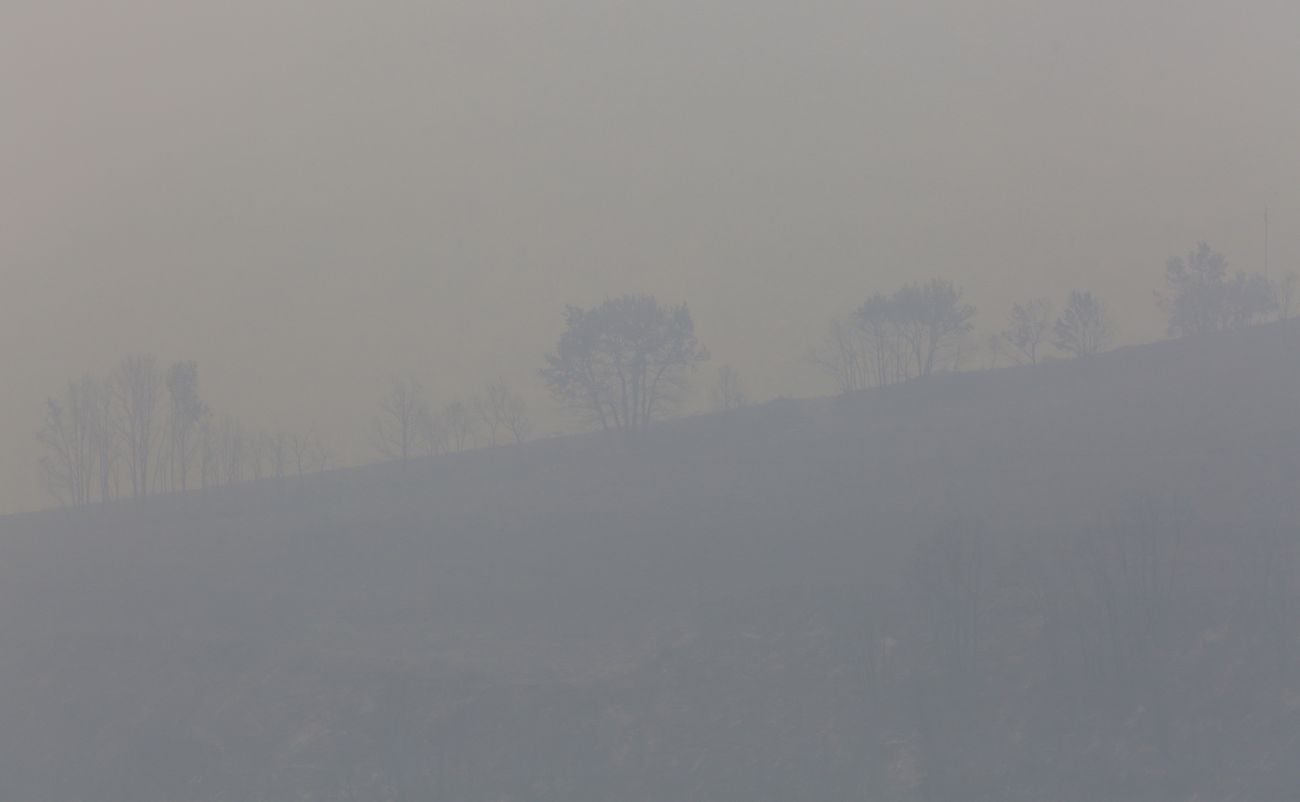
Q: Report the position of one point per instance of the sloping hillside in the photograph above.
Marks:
(1070, 582)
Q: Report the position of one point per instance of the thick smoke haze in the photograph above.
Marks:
(612, 401)
(305, 197)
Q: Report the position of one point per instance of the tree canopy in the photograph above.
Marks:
(624, 363)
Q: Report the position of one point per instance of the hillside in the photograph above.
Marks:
(1072, 582)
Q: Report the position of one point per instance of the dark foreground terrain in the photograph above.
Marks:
(1070, 582)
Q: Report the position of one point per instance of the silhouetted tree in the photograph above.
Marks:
(1028, 330)
(624, 363)
(886, 351)
(68, 436)
(401, 418)
(1202, 297)
(104, 436)
(435, 438)
(1084, 327)
(728, 392)
(233, 449)
(309, 454)
(845, 357)
(255, 449)
(1285, 291)
(932, 319)
(458, 424)
(503, 410)
(185, 413)
(893, 338)
(137, 385)
(209, 466)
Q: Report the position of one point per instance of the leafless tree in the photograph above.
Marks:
(309, 454)
(728, 392)
(887, 358)
(68, 436)
(402, 410)
(105, 437)
(208, 452)
(185, 413)
(845, 357)
(137, 385)
(255, 448)
(893, 338)
(278, 453)
(1028, 330)
(1084, 327)
(484, 409)
(933, 319)
(435, 437)
(503, 410)
(994, 347)
(516, 419)
(232, 447)
(458, 423)
(624, 363)
(1286, 293)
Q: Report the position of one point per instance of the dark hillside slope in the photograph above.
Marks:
(1070, 582)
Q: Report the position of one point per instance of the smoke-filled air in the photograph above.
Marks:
(710, 401)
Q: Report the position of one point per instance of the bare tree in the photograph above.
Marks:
(232, 447)
(485, 408)
(516, 420)
(1028, 330)
(278, 453)
(887, 358)
(728, 392)
(503, 410)
(185, 412)
(894, 338)
(624, 363)
(137, 385)
(933, 319)
(396, 430)
(209, 454)
(458, 423)
(1286, 295)
(435, 437)
(309, 454)
(255, 448)
(68, 436)
(105, 437)
(994, 347)
(845, 357)
(1084, 327)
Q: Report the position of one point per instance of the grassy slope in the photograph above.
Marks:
(723, 614)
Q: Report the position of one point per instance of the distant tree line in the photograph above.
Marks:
(144, 429)
(924, 327)
(620, 366)
(408, 425)
(894, 338)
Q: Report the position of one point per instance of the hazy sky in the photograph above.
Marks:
(306, 196)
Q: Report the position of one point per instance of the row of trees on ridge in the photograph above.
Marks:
(620, 366)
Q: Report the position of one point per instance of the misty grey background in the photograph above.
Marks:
(305, 197)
